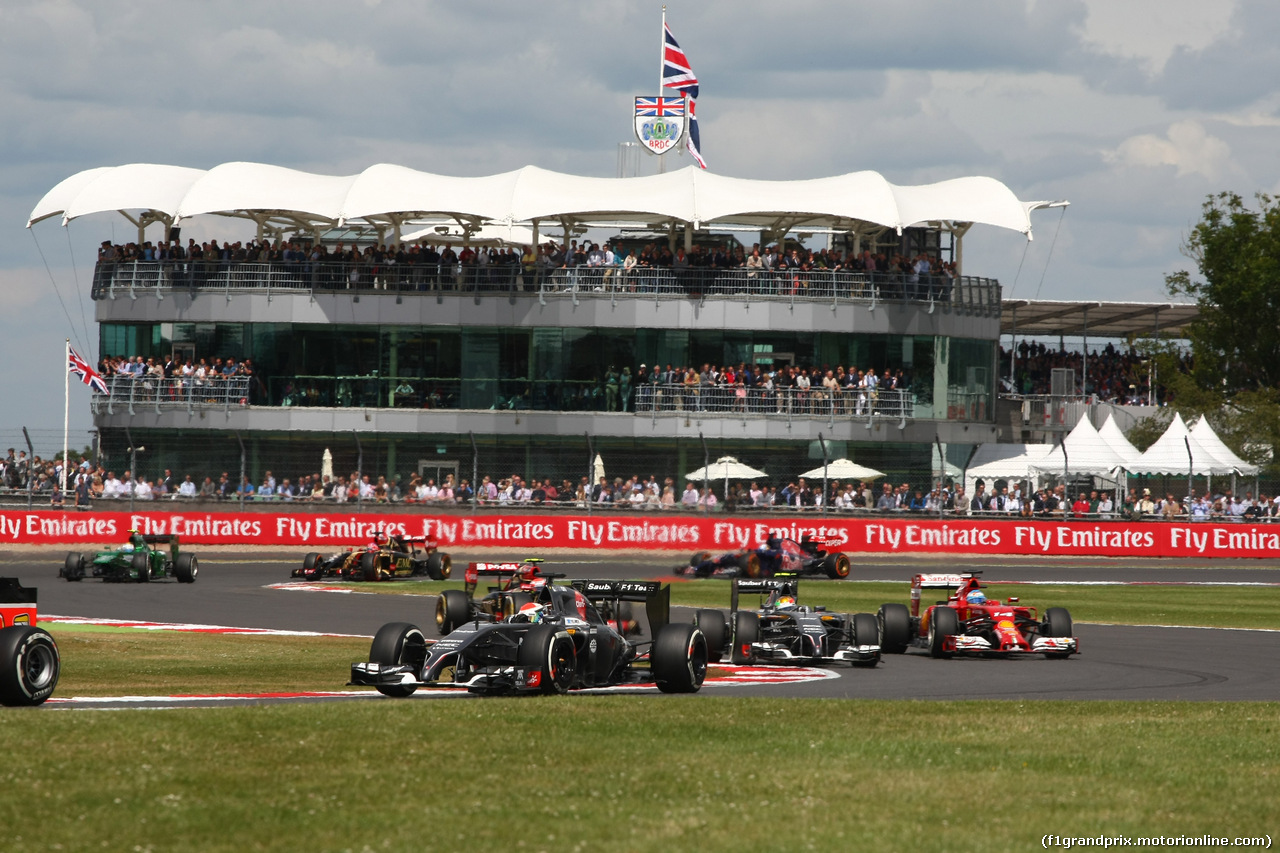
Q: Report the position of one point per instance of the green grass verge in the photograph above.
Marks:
(1204, 606)
(636, 774)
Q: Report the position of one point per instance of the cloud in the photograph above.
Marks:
(1187, 147)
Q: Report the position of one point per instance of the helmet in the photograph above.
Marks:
(531, 612)
(976, 597)
(372, 547)
(785, 602)
(127, 548)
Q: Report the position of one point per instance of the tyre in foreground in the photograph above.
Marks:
(398, 644)
(679, 658)
(29, 665)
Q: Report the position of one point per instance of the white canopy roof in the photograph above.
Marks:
(1169, 454)
(1203, 433)
(1114, 437)
(1086, 453)
(992, 461)
(388, 193)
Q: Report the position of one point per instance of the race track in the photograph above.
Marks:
(1116, 662)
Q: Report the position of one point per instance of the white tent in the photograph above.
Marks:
(843, 469)
(994, 461)
(725, 468)
(389, 195)
(1209, 440)
(1111, 434)
(487, 235)
(1177, 452)
(1085, 453)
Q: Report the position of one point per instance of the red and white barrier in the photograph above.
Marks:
(887, 534)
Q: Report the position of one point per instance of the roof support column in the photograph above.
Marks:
(1084, 353)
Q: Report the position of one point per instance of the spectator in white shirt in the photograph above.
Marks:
(188, 488)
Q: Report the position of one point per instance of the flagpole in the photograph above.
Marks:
(662, 60)
(66, 410)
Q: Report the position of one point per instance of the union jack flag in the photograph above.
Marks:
(676, 73)
(660, 106)
(82, 368)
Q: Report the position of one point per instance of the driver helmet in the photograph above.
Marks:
(127, 548)
(531, 612)
(976, 597)
(773, 542)
(372, 547)
(785, 602)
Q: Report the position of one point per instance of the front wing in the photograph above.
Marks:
(965, 643)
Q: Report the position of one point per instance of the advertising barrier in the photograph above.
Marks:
(888, 534)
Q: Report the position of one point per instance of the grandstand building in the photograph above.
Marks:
(417, 362)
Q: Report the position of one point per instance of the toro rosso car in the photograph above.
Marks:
(779, 556)
(555, 643)
(786, 632)
(29, 660)
(968, 622)
(388, 557)
(141, 559)
(518, 585)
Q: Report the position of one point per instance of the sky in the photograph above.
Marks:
(1132, 111)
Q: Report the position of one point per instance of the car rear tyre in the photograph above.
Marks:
(895, 628)
(512, 602)
(368, 567)
(73, 568)
(698, 558)
(750, 565)
(836, 566)
(29, 665)
(746, 630)
(679, 658)
(552, 654)
(141, 567)
(943, 623)
(715, 628)
(186, 568)
(399, 644)
(452, 609)
(439, 566)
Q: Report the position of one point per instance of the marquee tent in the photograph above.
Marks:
(1178, 452)
(1112, 435)
(1086, 453)
(992, 461)
(1208, 439)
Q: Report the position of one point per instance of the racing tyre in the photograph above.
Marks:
(309, 564)
(186, 568)
(943, 623)
(1057, 623)
(399, 644)
(73, 568)
(750, 565)
(512, 602)
(866, 632)
(439, 566)
(746, 630)
(452, 609)
(142, 567)
(895, 628)
(715, 628)
(836, 566)
(29, 665)
(679, 658)
(551, 652)
(368, 567)
(698, 558)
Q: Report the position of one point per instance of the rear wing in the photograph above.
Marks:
(939, 581)
(656, 597)
(784, 586)
(171, 541)
(528, 571)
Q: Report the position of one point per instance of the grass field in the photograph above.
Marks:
(635, 773)
(1148, 604)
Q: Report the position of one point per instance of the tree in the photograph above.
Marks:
(1236, 340)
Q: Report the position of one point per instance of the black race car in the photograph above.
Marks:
(517, 584)
(29, 659)
(778, 556)
(786, 632)
(388, 557)
(556, 642)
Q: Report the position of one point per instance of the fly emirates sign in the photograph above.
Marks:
(877, 534)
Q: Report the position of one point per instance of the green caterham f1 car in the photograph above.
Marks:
(141, 559)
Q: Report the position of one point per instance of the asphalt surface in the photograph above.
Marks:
(1116, 662)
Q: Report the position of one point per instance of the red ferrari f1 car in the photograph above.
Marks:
(968, 622)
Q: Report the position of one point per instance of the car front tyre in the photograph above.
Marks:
(29, 665)
(399, 644)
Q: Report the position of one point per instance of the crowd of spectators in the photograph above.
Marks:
(176, 377)
(1119, 377)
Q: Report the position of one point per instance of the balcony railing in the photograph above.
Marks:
(133, 279)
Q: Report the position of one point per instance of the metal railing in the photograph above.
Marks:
(788, 403)
(132, 279)
(134, 394)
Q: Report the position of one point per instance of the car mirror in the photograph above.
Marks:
(1013, 599)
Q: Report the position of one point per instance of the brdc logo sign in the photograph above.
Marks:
(659, 122)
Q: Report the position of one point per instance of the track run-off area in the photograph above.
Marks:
(250, 592)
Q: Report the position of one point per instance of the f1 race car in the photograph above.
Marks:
(557, 642)
(779, 556)
(786, 632)
(968, 622)
(137, 560)
(29, 660)
(387, 557)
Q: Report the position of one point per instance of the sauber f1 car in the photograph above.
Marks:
(786, 632)
(779, 556)
(29, 660)
(388, 557)
(137, 560)
(518, 584)
(556, 642)
(968, 622)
